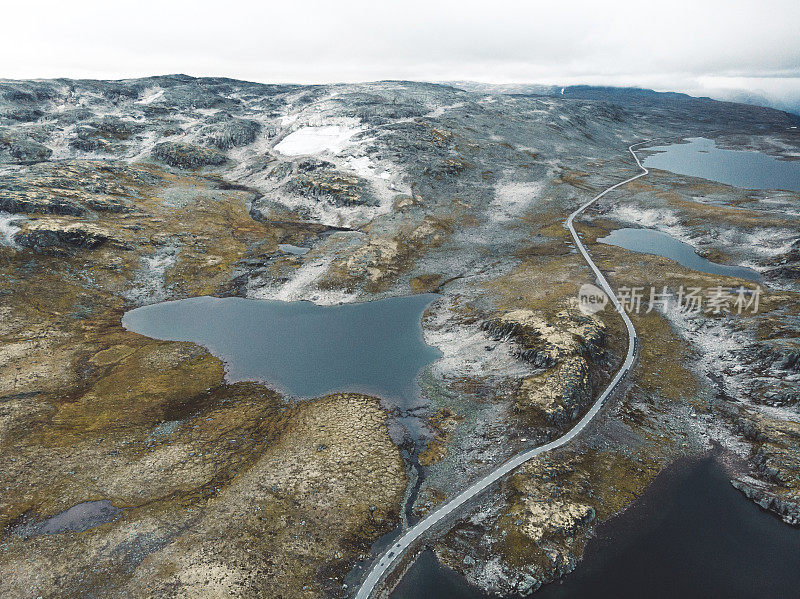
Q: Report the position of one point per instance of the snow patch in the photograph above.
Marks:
(511, 199)
(785, 413)
(650, 218)
(716, 344)
(362, 166)
(765, 242)
(302, 286)
(150, 278)
(315, 140)
(59, 143)
(467, 351)
(328, 213)
(150, 95)
(386, 181)
(440, 110)
(8, 228)
(145, 147)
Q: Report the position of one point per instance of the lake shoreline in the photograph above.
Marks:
(617, 538)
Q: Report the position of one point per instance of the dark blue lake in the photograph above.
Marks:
(690, 536)
(701, 157)
(649, 241)
(301, 348)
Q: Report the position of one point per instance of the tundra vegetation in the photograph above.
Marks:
(118, 194)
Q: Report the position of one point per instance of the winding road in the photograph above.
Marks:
(384, 562)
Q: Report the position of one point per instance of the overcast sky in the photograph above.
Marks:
(696, 46)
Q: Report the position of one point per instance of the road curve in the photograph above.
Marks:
(384, 562)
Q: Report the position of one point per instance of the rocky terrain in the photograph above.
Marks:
(131, 467)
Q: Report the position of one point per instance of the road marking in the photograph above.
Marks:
(387, 559)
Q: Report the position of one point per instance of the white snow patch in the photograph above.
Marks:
(785, 413)
(206, 112)
(781, 204)
(464, 348)
(440, 110)
(302, 286)
(288, 118)
(59, 143)
(315, 140)
(362, 166)
(511, 198)
(492, 575)
(711, 430)
(716, 343)
(719, 346)
(8, 228)
(150, 95)
(150, 277)
(328, 213)
(7, 169)
(766, 242)
(386, 182)
(145, 146)
(386, 179)
(663, 219)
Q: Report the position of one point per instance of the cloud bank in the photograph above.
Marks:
(714, 47)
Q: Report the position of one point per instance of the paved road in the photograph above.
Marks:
(384, 562)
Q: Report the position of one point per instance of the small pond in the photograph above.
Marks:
(78, 518)
(649, 241)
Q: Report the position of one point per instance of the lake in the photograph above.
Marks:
(701, 157)
(690, 536)
(303, 349)
(649, 241)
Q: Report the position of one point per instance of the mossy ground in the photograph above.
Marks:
(225, 488)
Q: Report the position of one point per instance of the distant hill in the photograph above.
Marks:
(623, 95)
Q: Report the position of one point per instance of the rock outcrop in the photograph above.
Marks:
(45, 234)
(19, 149)
(340, 189)
(187, 156)
(787, 509)
(232, 132)
(564, 349)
